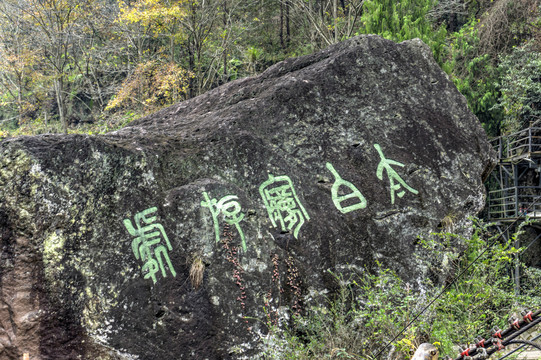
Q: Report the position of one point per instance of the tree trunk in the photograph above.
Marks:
(191, 64)
(59, 89)
(335, 18)
(282, 24)
(172, 46)
(46, 121)
(288, 32)
(226, 76)
(20, 99)
(453, 23)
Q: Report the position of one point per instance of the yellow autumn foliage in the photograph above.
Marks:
(152, 86)
(152, 13)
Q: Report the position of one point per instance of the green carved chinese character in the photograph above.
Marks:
(147, 244)
(282, 203)
(339, 199)
(230, 208)
(386, 164)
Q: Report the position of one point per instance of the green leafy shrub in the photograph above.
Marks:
(520, 87)
(404, 20)
(475, 75)
(370, 309)
(365, 313)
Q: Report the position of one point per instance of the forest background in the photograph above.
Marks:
(94, 65)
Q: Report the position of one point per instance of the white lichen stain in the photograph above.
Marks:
(186, 318)
(35, 170)
(215, 300)
(148, 177)
(255, 265)
(100, 297)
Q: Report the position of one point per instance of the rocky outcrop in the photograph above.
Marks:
(169, 238)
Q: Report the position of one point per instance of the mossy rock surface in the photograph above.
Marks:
(333, 161)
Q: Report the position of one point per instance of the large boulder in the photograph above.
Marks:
(178, 236)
